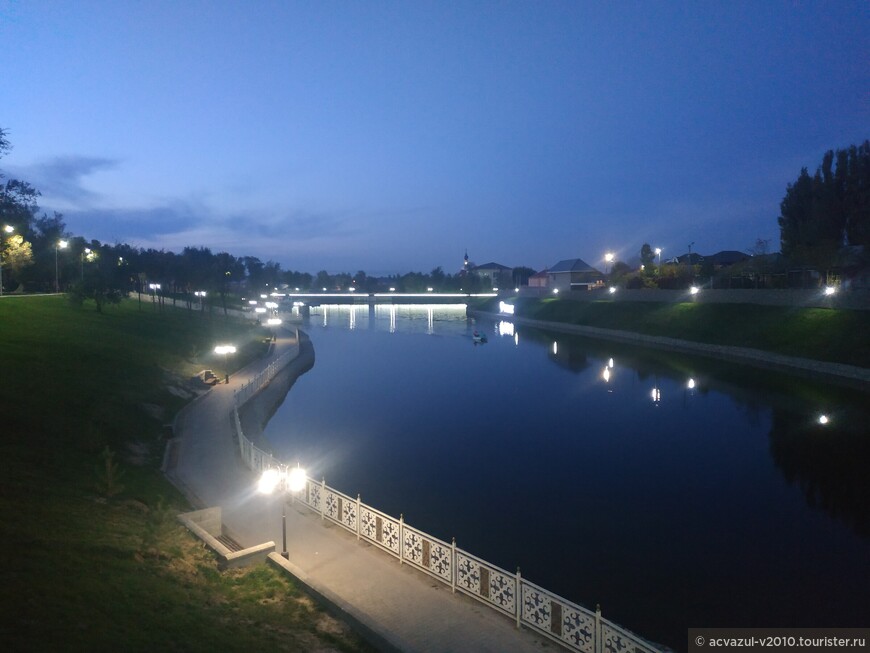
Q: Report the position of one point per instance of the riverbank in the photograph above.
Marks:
(255, 414)
(821, 344)
(837, 373)
(85, 512)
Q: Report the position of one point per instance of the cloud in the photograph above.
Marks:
(60, 180)
(178, 224)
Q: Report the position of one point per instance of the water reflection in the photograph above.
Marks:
(827, 459)
(680, 499)
(393, 318)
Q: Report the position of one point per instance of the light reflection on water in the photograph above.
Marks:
(672, 490)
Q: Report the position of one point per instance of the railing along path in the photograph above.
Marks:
(571, 625)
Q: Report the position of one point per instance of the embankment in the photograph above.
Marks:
(256, 413)
(829, 372)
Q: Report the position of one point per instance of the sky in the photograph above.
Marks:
(393, 136)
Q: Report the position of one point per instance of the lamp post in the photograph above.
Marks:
(61, 244)
(226, 350)
(292, 481)
(608, 258)
(658, 251)
(8, 229)
(87, 253)
(154, 288)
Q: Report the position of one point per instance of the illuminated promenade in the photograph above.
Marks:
(401, 608)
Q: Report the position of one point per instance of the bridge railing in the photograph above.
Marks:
(530, 605)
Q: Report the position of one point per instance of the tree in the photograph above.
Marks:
(17, 252)
(647, 258)
(5, 146)
(619, 273)
(820, 214)
(520, 275)
(323, 281)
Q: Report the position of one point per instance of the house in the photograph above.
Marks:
(726, 258)
(574, 274)
(495, 274)
(539, 279)
(682, 259)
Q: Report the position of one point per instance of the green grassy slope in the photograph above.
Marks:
(87, 571)
(822, 334)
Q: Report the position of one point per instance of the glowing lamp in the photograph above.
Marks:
(269, 481)
(296, 479)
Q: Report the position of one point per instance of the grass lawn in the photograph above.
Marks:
(87, 569)
(818, 333)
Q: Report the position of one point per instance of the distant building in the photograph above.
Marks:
(696, 259)
(539, 279)
(574, 274)
(496, 274)
(725, 258)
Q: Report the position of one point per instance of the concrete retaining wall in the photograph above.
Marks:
(207, 525)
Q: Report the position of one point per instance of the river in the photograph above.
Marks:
(674, 491)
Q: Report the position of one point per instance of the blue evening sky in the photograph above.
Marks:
(391, 136)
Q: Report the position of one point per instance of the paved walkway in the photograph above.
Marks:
(406, 610)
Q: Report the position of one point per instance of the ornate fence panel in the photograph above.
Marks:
(618, 640)
(380, 529)
(311, 495)
(339, 508)
(486, 582)
(427, 553)
(559, 619)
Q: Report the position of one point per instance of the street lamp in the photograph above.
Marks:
(61, 244)
(292, 481)
(226, 350)
(87, 253)
(154, 288)
(658, 251)
(8, 229)
(608, 258)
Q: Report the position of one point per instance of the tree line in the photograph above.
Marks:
(824, 226)
(820, 215)
(39, 254)
(823, 213)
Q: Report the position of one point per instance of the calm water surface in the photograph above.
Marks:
(674, 491)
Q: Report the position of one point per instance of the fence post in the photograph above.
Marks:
(358, 520)
(519, 597)
(453, 566)
(401, 538)
(599, 645)
(322, 498)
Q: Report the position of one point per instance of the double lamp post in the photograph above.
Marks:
(285, 480)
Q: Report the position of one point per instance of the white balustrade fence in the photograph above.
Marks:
(573, 626)
(252, 387)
